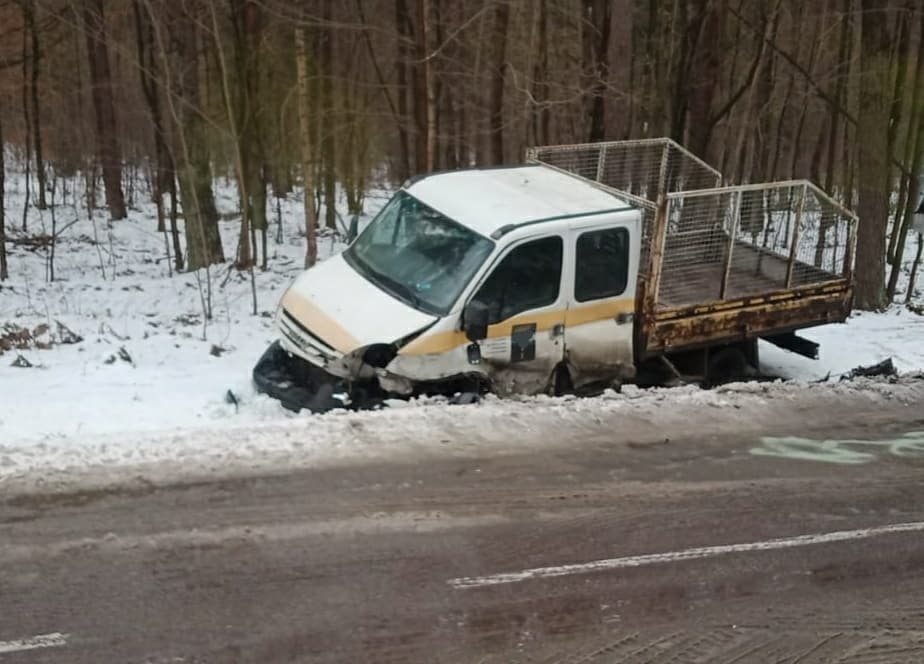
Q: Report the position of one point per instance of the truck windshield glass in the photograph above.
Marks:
(418, 255)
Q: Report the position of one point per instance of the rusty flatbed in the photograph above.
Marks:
(721, 264)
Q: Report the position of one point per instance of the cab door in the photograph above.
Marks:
(599, 325)
(526, 302)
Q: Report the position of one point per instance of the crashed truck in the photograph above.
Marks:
(587, 267)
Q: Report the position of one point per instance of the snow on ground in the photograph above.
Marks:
(175, 370)
(865, 339)
(149, 381)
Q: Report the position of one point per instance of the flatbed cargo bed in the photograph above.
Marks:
(720, 264)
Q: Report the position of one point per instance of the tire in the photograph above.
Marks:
(726, 365)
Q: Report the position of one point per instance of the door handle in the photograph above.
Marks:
(625, 318)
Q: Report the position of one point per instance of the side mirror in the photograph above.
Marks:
(475, 321)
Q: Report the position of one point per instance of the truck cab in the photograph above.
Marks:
(497, 276)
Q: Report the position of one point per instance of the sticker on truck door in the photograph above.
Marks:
(523, 343)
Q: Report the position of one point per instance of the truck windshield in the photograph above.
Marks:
(418, 255)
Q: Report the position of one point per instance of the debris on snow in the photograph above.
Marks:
(231, 398)
(886, 368)
(67, 336)
(121, 354)
(21, 363)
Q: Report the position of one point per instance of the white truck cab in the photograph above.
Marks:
(497, 274)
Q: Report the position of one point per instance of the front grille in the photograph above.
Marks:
(309, 344)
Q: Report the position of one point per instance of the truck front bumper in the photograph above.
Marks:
(297, 384)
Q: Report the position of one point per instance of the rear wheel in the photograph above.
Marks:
(732, 363)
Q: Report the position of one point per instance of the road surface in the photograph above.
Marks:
(723, 548)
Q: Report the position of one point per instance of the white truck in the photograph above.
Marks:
(588, 266)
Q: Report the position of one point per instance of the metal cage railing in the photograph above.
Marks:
(735, 242)
(703, 242)
(640, 171)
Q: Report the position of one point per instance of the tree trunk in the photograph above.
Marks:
(911, 158)
(873, 129)
(203, 241)
(28, 8)
(832, 131)
(165, 170)
(704, 56)
(401, 67)
(107, 138)
(915, 266)
(27, 121)
(904, 216)
(4, 272)
(543, 116)
(329, 121)
(427, 32)
(248, 107)
(596, 27)
(498, 79)
(304, 126)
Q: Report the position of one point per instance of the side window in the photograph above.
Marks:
(527, 278)
(602, 268)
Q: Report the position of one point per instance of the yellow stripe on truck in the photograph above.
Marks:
(437, 342)
(443, 342)
(320, 324)
(583, 314)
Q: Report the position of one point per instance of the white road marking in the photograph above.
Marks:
(679, 556)
(53, 640)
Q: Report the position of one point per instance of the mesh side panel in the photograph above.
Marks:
(720, 243)
(634, 168)
(823, 245)
(763, 234)
(739, 242)
(695, 249)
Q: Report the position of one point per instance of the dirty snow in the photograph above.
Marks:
(148, 383)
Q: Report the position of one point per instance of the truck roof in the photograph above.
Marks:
(487, 199)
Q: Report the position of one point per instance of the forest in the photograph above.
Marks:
(324, 99)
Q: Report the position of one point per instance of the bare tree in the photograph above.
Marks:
(402, 25)
(427, 33)
(34, 116)
(697, 76)
(164, 180)
(498, 81)
(874, 129)
(203, 241)
(107, 137)
(328, 142)
(4, 271)
(596, 27)
(307, 156)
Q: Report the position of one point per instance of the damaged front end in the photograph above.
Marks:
(298, 384)
(303, 371)
(364, 380)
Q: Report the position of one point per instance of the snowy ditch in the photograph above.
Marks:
(427, 428)
(111, 373)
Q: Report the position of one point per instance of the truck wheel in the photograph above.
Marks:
(726, 365)
(561, 381)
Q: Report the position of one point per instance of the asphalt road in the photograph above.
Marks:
(720, 549)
